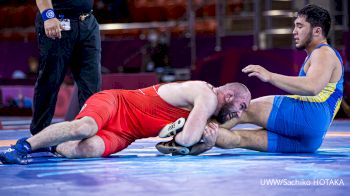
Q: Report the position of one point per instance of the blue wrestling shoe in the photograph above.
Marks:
(172, 129)
(16, 154)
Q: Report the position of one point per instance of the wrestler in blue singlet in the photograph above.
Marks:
(299, 123)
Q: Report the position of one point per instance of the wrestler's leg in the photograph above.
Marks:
(257, 113)
(104, 143)
(51, 136)
(265, 141)
(87, 148)
(65, 131)
(254, 139)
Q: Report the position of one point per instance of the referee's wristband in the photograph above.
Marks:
(48, 14)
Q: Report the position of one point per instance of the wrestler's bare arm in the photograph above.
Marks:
(209, 137)
(323, 62)
(197, 97)
(204, 105)
(222, 137)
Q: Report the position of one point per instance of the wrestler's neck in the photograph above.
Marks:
(313, 44)
(221, 99)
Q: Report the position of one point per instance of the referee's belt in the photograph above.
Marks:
(73, 16)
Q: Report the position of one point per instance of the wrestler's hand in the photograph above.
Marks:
(210, 134)
(53, 28)
(258, 71)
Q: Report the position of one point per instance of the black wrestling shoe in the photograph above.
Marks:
(172, 147)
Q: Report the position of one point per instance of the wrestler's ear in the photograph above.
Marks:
(229, 97)
(317, 31)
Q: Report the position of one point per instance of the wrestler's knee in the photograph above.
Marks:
(85, 127)
(258, 111)
(88, 148)
(92, 147)
(67, 149)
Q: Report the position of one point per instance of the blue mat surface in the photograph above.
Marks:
(142, 170)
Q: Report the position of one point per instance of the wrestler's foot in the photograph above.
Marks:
(172, 147)
(16, 154)
(172, 129)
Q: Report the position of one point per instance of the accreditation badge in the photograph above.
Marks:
(65, 24)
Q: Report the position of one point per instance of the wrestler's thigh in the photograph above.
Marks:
(259, 110)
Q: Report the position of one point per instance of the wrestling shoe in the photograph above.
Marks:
(172, 129)
(172, 147)
(16, 154)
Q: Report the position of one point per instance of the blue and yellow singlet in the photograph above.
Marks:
(299, 123)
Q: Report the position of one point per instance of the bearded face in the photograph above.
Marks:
(302, 33)
(226, 114)
(304, 43)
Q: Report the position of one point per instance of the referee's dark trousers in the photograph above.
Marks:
(79, 49)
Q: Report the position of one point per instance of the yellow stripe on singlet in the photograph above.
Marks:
(321, 97)
(337, 106)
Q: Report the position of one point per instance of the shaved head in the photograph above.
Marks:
(236, 98)
(238, 89)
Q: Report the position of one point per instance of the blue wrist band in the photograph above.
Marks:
(48, 14)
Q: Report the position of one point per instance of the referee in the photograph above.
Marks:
(68, 36)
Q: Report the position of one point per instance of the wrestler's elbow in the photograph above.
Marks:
(314, 92)
(313, 89)
(309, 91)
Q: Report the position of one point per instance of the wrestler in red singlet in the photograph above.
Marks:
(123, 116)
